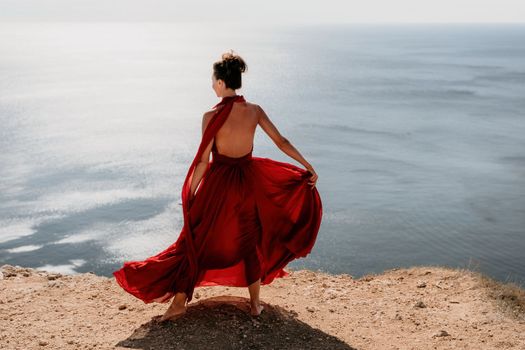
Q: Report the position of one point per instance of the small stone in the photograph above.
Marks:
(422, 285)
(43, 343)
(310, 309)
(122, 307)
(442, 333)
(420, 304)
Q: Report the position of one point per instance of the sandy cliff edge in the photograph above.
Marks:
(422, 307)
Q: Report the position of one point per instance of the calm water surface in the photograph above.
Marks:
(417, 133)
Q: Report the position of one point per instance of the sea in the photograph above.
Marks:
(416, 131)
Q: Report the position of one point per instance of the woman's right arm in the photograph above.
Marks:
(283, 143)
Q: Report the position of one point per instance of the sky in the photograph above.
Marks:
(267, 11)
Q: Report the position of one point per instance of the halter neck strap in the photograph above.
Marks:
(232, 98)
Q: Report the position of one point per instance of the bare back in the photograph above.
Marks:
(235, 137)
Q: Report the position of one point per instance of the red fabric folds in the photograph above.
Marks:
(249, 218)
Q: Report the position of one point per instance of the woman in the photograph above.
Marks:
(245, 217)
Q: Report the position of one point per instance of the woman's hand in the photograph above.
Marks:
(313, 178)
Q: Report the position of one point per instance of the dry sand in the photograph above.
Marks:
(415, 308)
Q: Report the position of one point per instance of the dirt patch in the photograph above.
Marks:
(414, 308)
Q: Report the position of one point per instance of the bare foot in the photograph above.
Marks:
(256, 310)
(173, 312)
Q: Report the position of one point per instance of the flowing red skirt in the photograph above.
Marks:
(250, 217)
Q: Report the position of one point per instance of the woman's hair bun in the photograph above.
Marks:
(229, 69)
(233, 62)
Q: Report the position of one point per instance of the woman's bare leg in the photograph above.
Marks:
(177, 307)
(255, 303)
(180, 299)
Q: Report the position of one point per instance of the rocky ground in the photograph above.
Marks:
(415, 308)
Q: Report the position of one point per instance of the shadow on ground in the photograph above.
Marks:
(224, 322)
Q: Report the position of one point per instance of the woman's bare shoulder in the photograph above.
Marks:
(209, 113)
(254, 107)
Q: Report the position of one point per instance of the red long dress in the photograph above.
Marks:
(249, 218)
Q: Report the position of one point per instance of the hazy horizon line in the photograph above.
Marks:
(254, 24)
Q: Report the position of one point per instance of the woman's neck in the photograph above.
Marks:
(230, 94)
